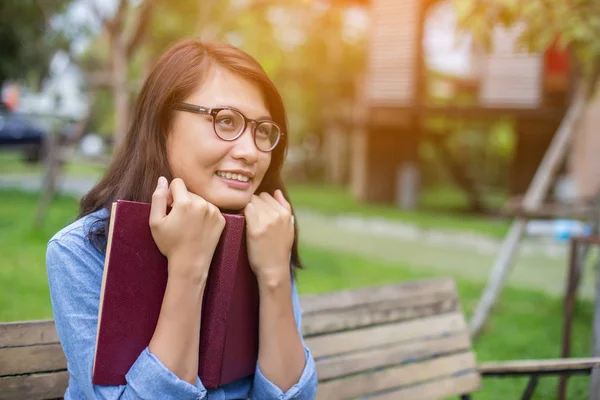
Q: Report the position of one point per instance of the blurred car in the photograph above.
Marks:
(19, 132)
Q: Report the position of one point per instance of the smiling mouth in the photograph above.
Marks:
(232, 176)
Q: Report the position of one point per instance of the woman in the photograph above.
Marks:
(209, 134)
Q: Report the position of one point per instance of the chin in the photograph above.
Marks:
(231, 204)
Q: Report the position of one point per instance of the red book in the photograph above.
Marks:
(133, 286)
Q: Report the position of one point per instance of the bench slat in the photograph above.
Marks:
(436, 390)
(531, 366)
(345, 342)
(376, 313)
(347, 364)
(28, 359)
(397, 293)
(13, 334)
(396, 377)
(34, 387)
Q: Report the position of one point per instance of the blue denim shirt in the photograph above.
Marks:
(75, 269)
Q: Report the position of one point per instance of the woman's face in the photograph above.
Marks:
(199, 157)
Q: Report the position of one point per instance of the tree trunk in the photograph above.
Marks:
(533, 198)
(120, 90)
(53, 165)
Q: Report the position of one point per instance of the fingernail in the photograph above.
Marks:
(162, 182)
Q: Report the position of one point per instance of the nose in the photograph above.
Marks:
(244, 147)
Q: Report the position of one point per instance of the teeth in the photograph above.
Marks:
(229, 175)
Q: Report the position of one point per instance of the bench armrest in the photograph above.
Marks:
(533, 367)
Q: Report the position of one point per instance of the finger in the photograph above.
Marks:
(271, 203)
(179, 191)
(213, 209)
(158, 208)
(281, 199)
(250, 214)
(261, 207)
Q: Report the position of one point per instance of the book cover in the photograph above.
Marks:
(133, 286)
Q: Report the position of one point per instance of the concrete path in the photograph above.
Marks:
(539, 265)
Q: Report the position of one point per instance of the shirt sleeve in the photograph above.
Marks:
(75, 277)
(306, 387)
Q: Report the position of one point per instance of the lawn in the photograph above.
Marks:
(525, 324)
(335, 200)
(12, 162)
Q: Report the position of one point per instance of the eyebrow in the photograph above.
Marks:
(262, 117)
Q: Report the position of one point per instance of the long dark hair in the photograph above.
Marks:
(178, 72)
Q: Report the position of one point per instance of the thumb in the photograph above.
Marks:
(158, 209)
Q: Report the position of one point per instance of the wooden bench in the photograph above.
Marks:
(399, 341)
(32, 363)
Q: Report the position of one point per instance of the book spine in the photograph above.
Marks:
(217, 298)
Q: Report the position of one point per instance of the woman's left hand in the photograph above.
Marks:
(269, 236)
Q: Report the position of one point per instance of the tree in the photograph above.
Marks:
(129, 53)
(125, 32)
(312, 74)
(28, 39)
(576, 25)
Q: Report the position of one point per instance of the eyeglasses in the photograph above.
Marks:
(229, 124)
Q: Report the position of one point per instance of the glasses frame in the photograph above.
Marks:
(214, 111)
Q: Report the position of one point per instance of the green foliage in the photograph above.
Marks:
(301, 45)
(28, 39)
(575, 23)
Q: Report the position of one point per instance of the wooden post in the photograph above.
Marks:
(533, 198)
(579, 252)
(595, 379)
(377, 153)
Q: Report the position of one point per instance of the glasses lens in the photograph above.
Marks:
(228, 124)
(267, 136)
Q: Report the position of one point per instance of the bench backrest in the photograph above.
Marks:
(401, 341)
(32, 363)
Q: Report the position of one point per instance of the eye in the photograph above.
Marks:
(225, 121)
(263, 131)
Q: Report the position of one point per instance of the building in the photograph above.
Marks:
(395, 99)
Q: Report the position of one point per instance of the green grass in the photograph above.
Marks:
(23, 285)
(335, 200)
(450, 197)
(525, 324)
(11, 162)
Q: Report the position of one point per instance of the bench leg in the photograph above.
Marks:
(575, 267)
(595, 384)
(530, 388)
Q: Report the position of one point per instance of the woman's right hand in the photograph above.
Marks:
(189, 233)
